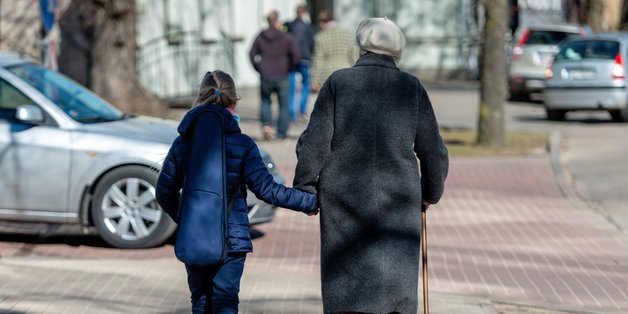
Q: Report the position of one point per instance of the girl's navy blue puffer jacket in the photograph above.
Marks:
(245, 168)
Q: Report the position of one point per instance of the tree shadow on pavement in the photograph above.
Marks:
(270, 305)
(71, 240)
(568, 120)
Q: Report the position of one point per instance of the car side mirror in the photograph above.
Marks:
(30, 114)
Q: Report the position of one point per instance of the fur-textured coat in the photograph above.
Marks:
(359, 151)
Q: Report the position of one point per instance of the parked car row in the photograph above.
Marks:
(573, 70)
(532, 54)
(67, 156)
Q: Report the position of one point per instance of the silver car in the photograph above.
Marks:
(67, 156)
(532, 54)
(589, 73)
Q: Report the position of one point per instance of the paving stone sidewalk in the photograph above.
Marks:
(503, 240)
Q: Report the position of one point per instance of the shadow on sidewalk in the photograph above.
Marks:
(71, 240)
(268, 305)
(568, 120)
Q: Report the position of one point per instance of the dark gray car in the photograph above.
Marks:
(67, 156)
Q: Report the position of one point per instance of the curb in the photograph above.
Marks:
(562, 177)
(597, 214)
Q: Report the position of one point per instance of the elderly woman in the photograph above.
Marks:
(369, 124)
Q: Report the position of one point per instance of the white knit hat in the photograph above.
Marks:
(380, 35)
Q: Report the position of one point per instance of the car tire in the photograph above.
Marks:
(125, 212)
(619, 115)
(556, 115)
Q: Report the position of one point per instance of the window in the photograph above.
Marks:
(77, 102)
(588, 49)
(546, 37)
(10, 99)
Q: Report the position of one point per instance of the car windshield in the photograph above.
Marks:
(546, 37)
(588, 49)
(76, 101)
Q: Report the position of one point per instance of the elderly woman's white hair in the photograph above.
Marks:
(380, 36)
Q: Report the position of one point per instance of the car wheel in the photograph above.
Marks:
(556, 115)
(619, 115)
(125, 211)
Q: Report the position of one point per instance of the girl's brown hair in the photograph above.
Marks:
(217, 88)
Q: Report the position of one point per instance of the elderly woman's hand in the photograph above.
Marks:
(425, 205)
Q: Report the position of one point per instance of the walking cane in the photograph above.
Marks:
(426, 307)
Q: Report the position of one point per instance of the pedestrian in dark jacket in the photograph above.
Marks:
(274, 54)
(359, 152)
(301, 29)
(215, 289)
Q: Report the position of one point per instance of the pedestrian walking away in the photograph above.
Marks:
(334, 48)
(214, 289)
(359, 151)
(274, 54)
(303, 33)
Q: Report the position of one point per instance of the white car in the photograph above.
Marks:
(67, 156)
(532, 54)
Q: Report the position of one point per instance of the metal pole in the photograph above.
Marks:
(426, 307)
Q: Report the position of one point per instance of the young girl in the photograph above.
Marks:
(215, 289)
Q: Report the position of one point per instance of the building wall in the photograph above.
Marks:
(612, 14)
(180, 40)
(442, 36)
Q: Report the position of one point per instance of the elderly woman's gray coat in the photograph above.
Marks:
(369, 124)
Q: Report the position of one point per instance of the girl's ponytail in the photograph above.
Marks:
(217, 88)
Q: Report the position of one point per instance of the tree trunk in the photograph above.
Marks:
(77, 33)
(595, 18)
(493, 80)
(623, 23)
(114, 75)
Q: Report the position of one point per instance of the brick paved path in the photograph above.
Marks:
(503, 232)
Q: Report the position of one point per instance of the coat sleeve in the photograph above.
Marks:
(310, 40)
(169, 185)
(294, 52)
(262, 184)
(254, 54)
(317, 62)
(314, 146)
(431, 151)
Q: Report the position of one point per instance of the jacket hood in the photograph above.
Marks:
(186, 127)
(271, 34)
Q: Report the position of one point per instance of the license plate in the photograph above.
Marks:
(577, 74)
